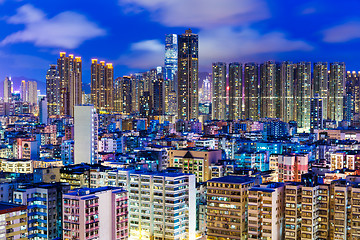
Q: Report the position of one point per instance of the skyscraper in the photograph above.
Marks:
(31, 92)
(188, 64)
(171, 60)
(321, 84)
(122, 95)
(8, 89)
(316, 113)
(235, 91)
(251, 85)
(70, 73)
(53, 91)
(353, 87)
(336, 91)
(303, 95)
(270, 90)
(85, 134)
(219, 91)
(287, 89)
(102, 87)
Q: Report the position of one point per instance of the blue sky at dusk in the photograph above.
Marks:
(131, 33)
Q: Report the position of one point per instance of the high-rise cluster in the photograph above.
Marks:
(285, 91)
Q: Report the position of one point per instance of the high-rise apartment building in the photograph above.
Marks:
(171, 60)
(227, 207)
(218, 102)
(102, 86)
(122, 95)
(8, 89)
(316, 113)
(251, 85)
(28, 91)
(161, 205)
(188, 64)
(70, 74)
(194, 161)
(53, 91)
(336, 91)
(95, 213)
(13, 221)
(44, 205)
(287, 90)
(321, 84)
(266, 211)
(235, 91)
(353, 86)
(158, 97)
(86, 125)
(303, 95)
(270, 90)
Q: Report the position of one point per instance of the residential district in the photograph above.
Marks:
(267, 151)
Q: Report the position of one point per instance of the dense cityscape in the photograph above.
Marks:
(258, 151)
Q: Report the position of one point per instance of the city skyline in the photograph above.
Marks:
(258, 33)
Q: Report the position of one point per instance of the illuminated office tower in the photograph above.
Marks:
(8, 89)
(219, 91)
(270, 90)
(316, 113)
(102, 87)
(70, 73)
(122, 95)
(266, 211)
(171, 60)
(53, 91)
(251, 84)
(287, 91)
(86, 125)
(303, 95)
(336, 91)
(188, 64)
(321, 84)
(235, 91)
(353, 87)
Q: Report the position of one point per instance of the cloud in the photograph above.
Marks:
(200, 13)
(221, 44)
(228, 44)
(144, 55)
(342, 33)
(66, 30)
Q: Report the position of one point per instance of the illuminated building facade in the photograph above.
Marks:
(188, 64)
(219, 91)
(70, 73)
(102, 87)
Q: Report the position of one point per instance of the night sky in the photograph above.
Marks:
(131, 33)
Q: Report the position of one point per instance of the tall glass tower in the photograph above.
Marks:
(188, 62)
(171, 60)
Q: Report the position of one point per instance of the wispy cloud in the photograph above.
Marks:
(342, 33)
(66, 30)
(143, 55)
(221, 44)
(200, 13)
(228, 44)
